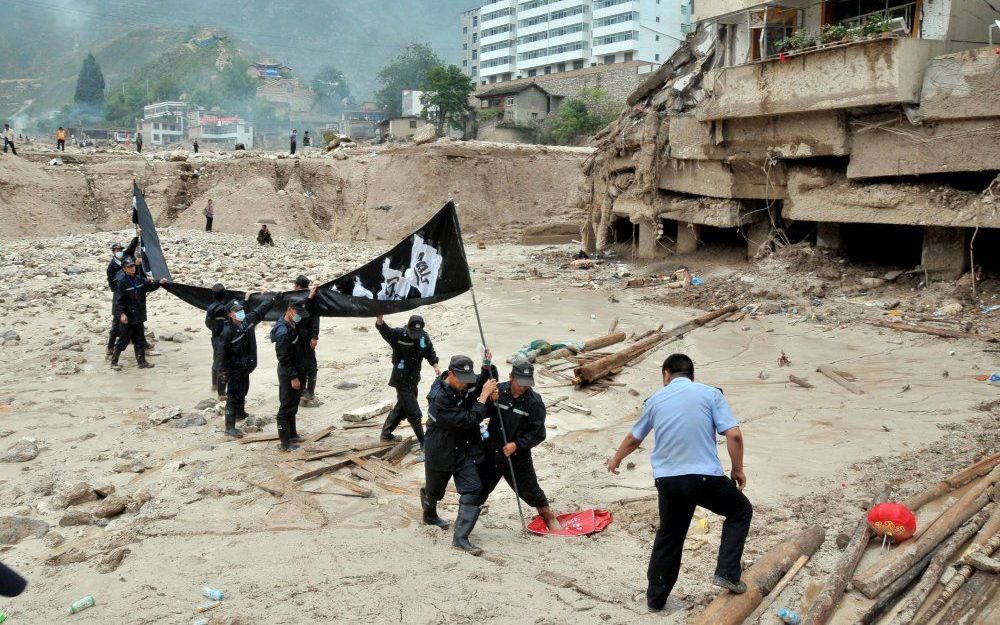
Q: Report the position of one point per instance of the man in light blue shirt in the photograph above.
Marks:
(685, 417)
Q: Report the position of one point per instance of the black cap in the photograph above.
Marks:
(235, 306)
(522, 371)
(415, 326)
(299, 307)
(218, 288)
(117, 246)
(302, 282)
(128, 261)
(464, 369)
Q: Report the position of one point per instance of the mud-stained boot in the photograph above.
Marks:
(464, 524)
(114, 360)
(430, 511)
(231, 430)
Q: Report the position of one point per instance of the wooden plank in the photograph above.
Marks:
(351, 486)
(839, 379)
(321, 434)
(371, 467)
(774, 594)
(340, 464)
(941, 332)
(363, 424)
(397, 453)
(800, 381)
(344, 450)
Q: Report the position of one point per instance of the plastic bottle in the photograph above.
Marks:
(3, 617)
(484, 431)
(791, 617)
(81, 604)
(212, 593)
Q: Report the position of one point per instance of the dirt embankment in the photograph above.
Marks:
(373, 193)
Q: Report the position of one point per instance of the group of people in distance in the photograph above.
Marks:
(479, 430)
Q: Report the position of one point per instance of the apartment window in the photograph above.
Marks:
(628, 57)
(474, 72)
(532, 21)
(495, 15)
(510, 100)
(561, 67)
(615, 38)
(500, 45)
(532, 38)
(534, 4)
(657, 19)
(548, 70)
(534, 116)
(474, 52)
(532, 73)
(496, 30)
(616, 19)
(558, 15)
(567, 30)
(603, 4)
(657, 57)
(413, 123)
(473, 37)
(156, 138)
(465, 30)
(475, 20)
(657, 37)
(577, 64)
(465, 46)
(609, 59)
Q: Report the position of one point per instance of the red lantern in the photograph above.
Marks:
(892, 520)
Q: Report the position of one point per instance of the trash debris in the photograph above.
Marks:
(208, 605)
(790, 617)
(81, 604)
(783, 360)
(212, 593)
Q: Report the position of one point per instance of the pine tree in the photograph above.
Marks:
(90, 83)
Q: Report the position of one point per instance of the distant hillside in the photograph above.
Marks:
(49, 39)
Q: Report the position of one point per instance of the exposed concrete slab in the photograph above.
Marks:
(688, 237)
(961, 85)
(826, 195)
(944, 254)
(739, 180)
(706, 211)
(901, 149)
(551, 233)
(755, 138)
(648, 238)
(870, 73)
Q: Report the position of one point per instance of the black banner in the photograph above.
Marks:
(427, 267)
(149, 243)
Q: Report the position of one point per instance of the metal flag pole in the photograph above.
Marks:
(503, 429)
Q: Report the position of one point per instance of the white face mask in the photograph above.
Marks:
(119, 255)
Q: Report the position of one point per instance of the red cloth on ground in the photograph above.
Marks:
(581, 523)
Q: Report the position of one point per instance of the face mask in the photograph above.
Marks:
(241, 315)
(296, 318)
(119, 255)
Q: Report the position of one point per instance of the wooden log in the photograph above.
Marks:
(588, 346)
(821, 609)
(800, 381)
(921, 329)
(596, 370)
(965, 570)
(839, 379)
(774, 594)
(949, 484)
(340, 464)
(877, 577)
(639, 337)
(989, 615)
(396, 454)
(761, 578)
(891, 595)
(973, 599)
(940, 560)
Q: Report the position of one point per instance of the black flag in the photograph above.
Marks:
(427, 267)
(149, 243)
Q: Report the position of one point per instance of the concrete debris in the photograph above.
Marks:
(113, 560)
(23, 450)
(14, 529)
(425, 135)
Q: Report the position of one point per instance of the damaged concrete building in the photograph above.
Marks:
(851, 123)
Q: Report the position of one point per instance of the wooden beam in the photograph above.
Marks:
(774, 594)
(949, 484)
(941, 332)
(340, 464)
(839, 379)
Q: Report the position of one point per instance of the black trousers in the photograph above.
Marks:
(208, 224)
(115, 326)
(61, 144)
(134, 333)
(288, 400)
(218, 378)
(293, 147)
(407, 408)
(496, 467)
(11, 144)
(466, 483)
(678, 497)
(237, 387)
(312, 369)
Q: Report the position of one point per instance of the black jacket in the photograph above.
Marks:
(523, 421)
(216, 319)
(130, 296)
(290, 347)
(115, 265)
(453, 427)
(239, 342)
(407, 354)
(308, 329)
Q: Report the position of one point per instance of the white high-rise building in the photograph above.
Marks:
(509, 39)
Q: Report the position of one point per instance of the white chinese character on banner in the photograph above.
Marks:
(422, 274)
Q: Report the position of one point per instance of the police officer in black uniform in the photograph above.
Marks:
(523, 413)
(114, 267)
(458, 405)
(215, 321)
(309, 331)
(130, 308)
(410, 345)
(293, 363)
(239, 357)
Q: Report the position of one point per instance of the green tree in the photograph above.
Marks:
(331, 89)
(406, 71)
(90, 83)
(446, 96)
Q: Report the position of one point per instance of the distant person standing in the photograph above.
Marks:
(196, 148)
(293, 140)
(8, 139)
(264, 236)
(61, 139)
(239, 357)
(138, 142)
(209, 215)
(306, 140)
(686, 416)
(131, 288)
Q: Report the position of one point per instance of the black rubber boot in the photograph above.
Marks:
(231, 430)
(311, 386)
(295, 438)
(464, 524)
(140, 358)
(114, 360)
(430, 511)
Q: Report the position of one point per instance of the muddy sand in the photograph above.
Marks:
(228, 515)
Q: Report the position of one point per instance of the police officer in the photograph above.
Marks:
(522, 412)
(409, 345)
(114, 267)
(130, 308)
(239, 357)
(309, 331)
(215, 321)
(293, 363)
(458, 405)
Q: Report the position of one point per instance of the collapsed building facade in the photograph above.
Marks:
(887, 139)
